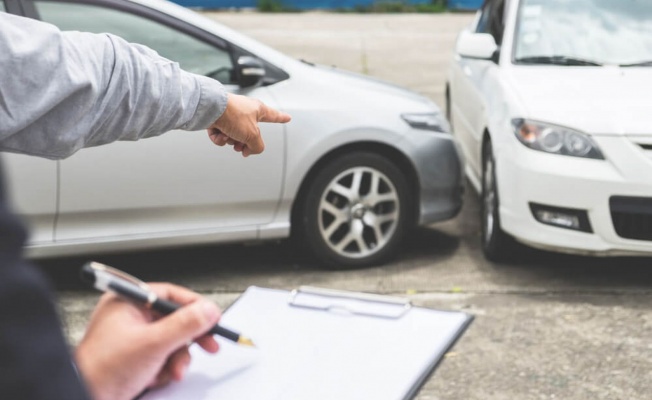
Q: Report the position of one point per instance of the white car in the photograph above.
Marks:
(551, 101)
(360, 164)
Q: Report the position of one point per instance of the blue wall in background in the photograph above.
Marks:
(465, 4)
(312, 4)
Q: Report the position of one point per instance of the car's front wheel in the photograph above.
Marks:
(449, 105)
(356, 211)
(496, 244)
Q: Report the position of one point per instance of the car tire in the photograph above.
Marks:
(357, 211)
(496, 244)
(449, 104)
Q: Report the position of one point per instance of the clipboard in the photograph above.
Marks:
(320, 344)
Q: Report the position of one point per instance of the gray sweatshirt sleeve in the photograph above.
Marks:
(62, 91)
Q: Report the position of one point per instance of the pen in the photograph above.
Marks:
(105, 278)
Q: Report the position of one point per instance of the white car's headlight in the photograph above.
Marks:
(428, 121)
(555, 139)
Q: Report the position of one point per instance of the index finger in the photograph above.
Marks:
(272, 115)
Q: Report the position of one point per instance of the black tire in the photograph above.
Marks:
(496, 244)
(348, 225)
(449, 104)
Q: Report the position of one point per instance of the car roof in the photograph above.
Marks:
(202, 22)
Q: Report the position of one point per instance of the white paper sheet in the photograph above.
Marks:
(312, 354)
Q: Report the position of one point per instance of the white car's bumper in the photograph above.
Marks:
(612, 192)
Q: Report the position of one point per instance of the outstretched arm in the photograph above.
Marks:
(62, 91)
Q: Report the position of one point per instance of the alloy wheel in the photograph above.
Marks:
(358, 212)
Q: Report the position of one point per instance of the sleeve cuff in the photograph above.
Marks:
(212, 103)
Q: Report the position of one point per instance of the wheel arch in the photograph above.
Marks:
(393, 154)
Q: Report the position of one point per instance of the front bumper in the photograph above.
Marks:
(526, 176)
(439, 169)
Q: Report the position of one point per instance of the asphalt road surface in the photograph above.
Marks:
(547, 326)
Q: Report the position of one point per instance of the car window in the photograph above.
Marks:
(496, 23)
(491, 20)
(483, 21)
(595, 31)
(191, 53)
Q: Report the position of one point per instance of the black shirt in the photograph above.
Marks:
(35, 361)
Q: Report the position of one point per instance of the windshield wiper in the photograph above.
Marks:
(638, 64)
(557, 60)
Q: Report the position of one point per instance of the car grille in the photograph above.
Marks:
(632, 217)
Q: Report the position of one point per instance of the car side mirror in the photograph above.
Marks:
(250, 71)
(476, 45)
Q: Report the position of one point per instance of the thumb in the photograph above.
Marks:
(185, 325)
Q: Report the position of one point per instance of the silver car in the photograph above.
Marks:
(360, 164)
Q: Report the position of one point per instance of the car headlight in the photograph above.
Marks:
(429, 121)
(555, 139)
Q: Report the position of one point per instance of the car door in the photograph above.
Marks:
(31, 181)
(468, 103)
(32, 192)
(175, 184)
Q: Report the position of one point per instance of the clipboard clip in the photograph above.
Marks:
(353, 303)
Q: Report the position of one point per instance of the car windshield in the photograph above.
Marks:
(584, 32)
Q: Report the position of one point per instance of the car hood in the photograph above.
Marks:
(597, 100)
(358, 81)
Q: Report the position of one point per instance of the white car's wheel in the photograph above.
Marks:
(449, 105)
(496, 244)
(356, 211)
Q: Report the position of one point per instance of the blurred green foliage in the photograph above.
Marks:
(273, 6)
(389, 6)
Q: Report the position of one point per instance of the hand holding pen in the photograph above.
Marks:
(105, 278)
(128, 347)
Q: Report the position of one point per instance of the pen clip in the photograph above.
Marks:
(102, 275)
(339, 301)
